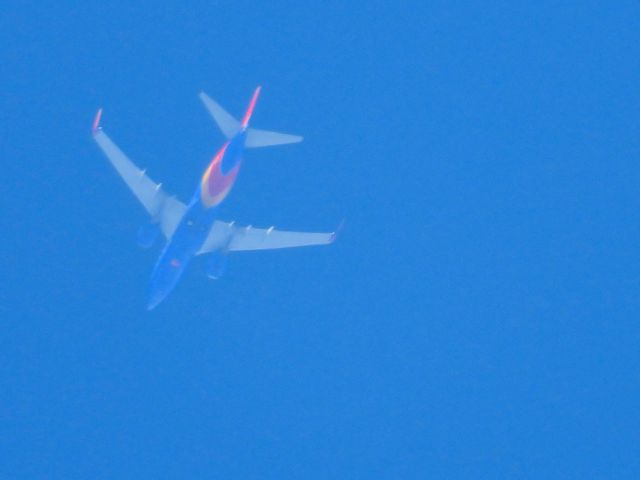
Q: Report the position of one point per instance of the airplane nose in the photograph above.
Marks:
(162, 282)
(154, 299)
(164, 278)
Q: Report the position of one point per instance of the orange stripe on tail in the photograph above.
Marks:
(252, 104)
(96, 122)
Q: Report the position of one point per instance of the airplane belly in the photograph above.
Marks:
(187, 240)
(167, 272)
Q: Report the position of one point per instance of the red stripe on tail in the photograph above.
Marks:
(96, 122)
(252, 104)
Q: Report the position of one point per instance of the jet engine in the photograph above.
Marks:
(216, 265)
(148, 235)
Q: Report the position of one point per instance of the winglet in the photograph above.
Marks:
(252, 104)
(96, 122)
(335, 234)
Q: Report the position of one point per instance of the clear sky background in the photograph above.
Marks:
(478, 317)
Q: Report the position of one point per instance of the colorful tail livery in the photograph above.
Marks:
(193, 229)
(230, 127)
(252, 105)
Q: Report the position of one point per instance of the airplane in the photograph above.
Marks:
(194, 228)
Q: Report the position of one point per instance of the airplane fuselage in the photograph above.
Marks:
(193, 228)
(214, 186)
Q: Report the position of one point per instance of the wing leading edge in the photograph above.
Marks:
(163, 208)
(233, 238)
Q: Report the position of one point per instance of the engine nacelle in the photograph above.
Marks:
(148, 235)
(216, 265)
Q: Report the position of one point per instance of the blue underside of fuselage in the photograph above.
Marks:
(190, 234)
(233, 153)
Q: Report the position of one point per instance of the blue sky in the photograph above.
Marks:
(478, 317)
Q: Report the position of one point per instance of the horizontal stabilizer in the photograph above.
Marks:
(230, 126)
(227, 124)
(263, 138)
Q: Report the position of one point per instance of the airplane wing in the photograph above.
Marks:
(163, 208)
(235, 238)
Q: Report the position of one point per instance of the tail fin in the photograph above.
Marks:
(230, 126)
(252, 104)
